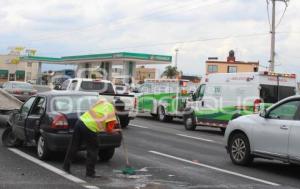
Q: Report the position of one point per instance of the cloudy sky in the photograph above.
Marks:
(198, 28)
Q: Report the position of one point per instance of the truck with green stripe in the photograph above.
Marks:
(164, 98)
(226, 96)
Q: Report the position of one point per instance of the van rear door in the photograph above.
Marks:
(274, 88)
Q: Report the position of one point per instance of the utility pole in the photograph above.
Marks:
(273, 33)
(272, 59)
(176, 57)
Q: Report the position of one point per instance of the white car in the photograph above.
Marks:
(272, 134)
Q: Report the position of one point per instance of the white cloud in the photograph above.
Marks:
(58, 28)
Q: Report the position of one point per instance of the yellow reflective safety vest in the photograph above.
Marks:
(105, 111)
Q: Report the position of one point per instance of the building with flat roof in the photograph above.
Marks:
(231, 65)
(143, 73)
(12, 69)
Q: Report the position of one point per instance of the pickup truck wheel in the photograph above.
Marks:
(106, 154)
(124, 121)
(162, 115)
(190, 122)
(239, 149)
(42, 149)
(9, 139)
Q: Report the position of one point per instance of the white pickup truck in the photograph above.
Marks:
(126, 105)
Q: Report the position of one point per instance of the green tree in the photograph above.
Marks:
(170, 72)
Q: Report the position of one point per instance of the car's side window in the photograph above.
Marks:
(286, 111)
(200, 92)
(146, 88)
(26, 106)
(73, 85)
(7, 86)
(65, 84)
(297, 115)
(4, 85)
(39, 107)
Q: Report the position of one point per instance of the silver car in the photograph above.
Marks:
(20, 90)
(272, 134)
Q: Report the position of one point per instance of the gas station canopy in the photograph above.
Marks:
(92, 62)
(138, 58)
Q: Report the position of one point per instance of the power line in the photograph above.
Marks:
(281, 18)
(268, 12)
(160, 12)
(192, 41)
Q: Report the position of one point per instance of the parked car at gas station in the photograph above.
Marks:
(20, 90)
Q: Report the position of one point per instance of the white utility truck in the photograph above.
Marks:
(226, 96)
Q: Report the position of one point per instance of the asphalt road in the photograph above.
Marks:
(164, 155)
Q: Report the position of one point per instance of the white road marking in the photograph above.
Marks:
(52, 168)
(139, 126)
(197, 138)
(90, 187)
(216, 169)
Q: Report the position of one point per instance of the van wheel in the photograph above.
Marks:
(42, 149)
(190, 122)
(239, 149)
(162, 115)
(9, 139)
(106, 154)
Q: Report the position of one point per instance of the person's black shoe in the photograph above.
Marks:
(67, 169)
(93, 176)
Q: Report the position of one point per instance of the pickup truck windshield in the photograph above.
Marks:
(274, 93)
(96, 86)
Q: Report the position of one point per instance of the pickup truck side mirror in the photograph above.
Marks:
(135, 90)
(57, 87)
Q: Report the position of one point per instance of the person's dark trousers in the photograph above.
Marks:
(82, 135)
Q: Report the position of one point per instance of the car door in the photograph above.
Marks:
(20, 119)
(145, 97)
(271, 134)
(198, 102)
(33, 120)
(294, 139)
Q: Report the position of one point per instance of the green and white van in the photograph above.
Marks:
(226, 96)
(164, 98)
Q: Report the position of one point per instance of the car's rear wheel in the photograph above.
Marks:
(106, 154)
(42, 150)
(162, 115)
(239, 149)
(9, 139)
